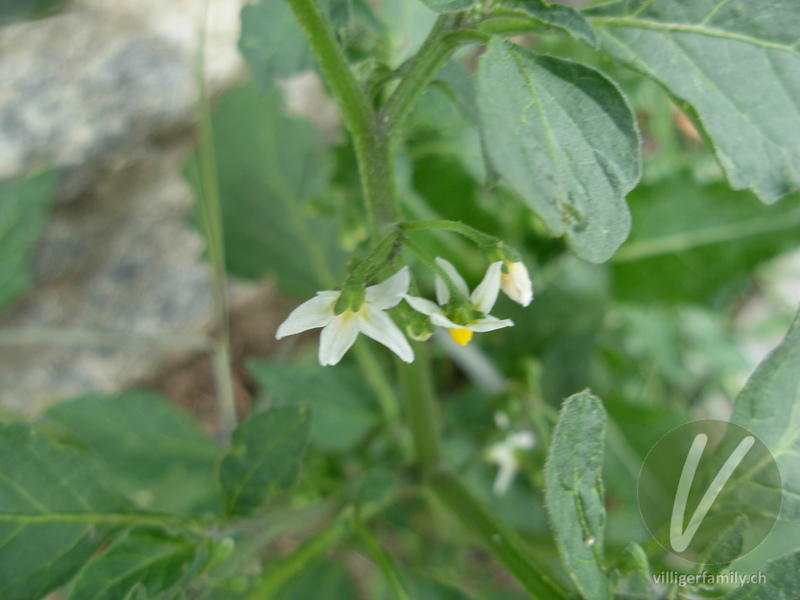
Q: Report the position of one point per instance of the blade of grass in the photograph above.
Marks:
(211, 222)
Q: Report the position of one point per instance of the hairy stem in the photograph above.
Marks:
(434, 52)
(372, 149)
(419, 400)
(475, 235)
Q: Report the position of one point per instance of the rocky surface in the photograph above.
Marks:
(105, 92)
(80, 90)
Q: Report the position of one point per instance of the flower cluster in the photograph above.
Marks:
(344, 314)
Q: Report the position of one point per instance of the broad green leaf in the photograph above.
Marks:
(269, 166)
(781, 581)
(264, 458)
(24, 205)
(342, 405)
(539, 12)
(736, 63)
(694, 243)
(152, 450)
(564, 137)
(55, 512)
(448, 5)
(574, 492)
(145, 561)
(769, 407)
(272, 43)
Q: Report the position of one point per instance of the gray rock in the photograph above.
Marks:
(105, 91)
(80, 89)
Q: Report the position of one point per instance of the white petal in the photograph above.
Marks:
(441, 321)
(488, 323)
(516, 284)
(522, 440)
(485, 295)
(317, 312)
(426, 307)
(376, 324)
(442, 293)
(505, 476)
(390, 292)
(502, 454)
(337, 337)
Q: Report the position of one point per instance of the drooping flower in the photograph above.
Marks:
(339, 331)
(505, 454)
(481, 301)
(516, 283)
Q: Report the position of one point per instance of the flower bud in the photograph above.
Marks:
(516, 283)
(419, 327)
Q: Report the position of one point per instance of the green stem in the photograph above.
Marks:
(211, 215)
(372, 149)
(381, 558)
(380, 255)
(431, 56)
(499, 539)
(478, 237)
(282, 571)
(419, 400)
(373, 372)
(455, 293)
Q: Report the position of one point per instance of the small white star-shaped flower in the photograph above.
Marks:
(505, 455)
(481, 301)
(339, 332)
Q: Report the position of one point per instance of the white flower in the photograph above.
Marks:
(505, 455)
(516, 283)
(340, 331)
(482, 300)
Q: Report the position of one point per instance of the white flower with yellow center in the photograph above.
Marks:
(339, 331)
(516, 283)
(481, 302)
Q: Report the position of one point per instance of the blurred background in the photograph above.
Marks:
(104, 286)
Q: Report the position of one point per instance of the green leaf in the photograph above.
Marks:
(147, 561)
(565, 139)
(272, 43)
(341, 403)
(448, 5)
(769, 407)
(692, 242)
(729, 543)
(425, 588)
(24, 206)
(55, 512)
(269, 166)
(781, 581)
(264, 458)
(736, 63)
(560, 16)
(574, 492)
(152, 450)
(326, 581)
(18, 10)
